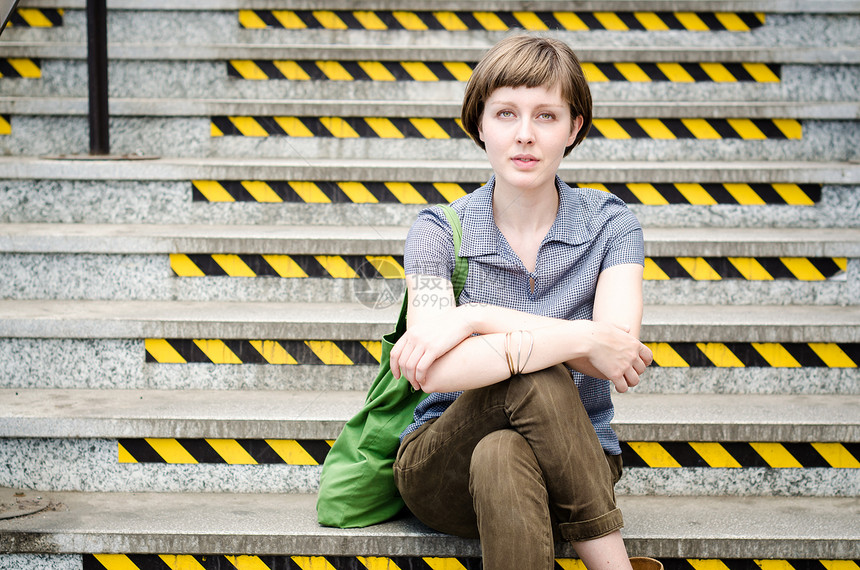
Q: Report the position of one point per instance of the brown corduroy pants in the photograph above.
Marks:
(516, 464)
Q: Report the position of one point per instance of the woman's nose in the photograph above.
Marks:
(525, 133)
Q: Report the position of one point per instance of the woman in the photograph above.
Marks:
(513, 445)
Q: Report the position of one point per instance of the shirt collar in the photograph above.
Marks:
(481, 236)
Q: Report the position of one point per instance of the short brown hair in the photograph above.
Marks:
(527, 61)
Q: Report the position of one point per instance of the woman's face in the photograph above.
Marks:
(525, 131)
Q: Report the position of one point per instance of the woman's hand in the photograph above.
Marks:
(613, 354)
(426, 341)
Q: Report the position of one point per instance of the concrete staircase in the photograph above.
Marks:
(184, 330)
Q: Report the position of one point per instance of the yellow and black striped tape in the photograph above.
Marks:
(663, 454)
(306, 70)
(391, 267)
(339, 127)
(230, 451)
(289, 266)
(5, 125)
(36, 18)
(755, 354)
(20, 68)
(294, 352)
(500, 21)
(324, 192)
(368, 352)
(674, 454)
(446, 128)
(280, 562)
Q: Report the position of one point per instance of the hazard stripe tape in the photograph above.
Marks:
(702, 129)
(283, 352)
(434, 193)
(391, 267)
(36, 18)
(20, 68)
(229, 451)
(755, 354)
(443, 128)
(500, 21)
(290, 266)
(5, 125)
(663, 454)
(306, 70)
(339, 127)
(669, 454)
(281, 562)
(352, 352)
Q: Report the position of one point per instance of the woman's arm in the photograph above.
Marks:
(438, 353)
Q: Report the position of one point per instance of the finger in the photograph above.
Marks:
(412, 364)
(620, 384)
(639, 366)
(394, 357)
(632, 378)
(646, 355)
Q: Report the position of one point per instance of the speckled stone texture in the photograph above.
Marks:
(73, 363)
(113, 202)
(140, 277)
(92, 465)
(190, 137)
(41, 562)
(208, 79)
(108, 364)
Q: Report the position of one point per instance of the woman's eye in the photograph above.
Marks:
(546, 116)
(506, 114)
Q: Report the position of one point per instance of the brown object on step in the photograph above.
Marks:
(644, 563)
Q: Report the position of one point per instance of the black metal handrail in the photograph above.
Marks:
(98, 77)
(7, 7)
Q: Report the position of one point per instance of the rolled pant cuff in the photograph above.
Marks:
(594, 528)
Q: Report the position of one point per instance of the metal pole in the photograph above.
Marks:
(7, 8)
(98, 76)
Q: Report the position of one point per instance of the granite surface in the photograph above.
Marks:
(92, 465)
(105, 363)
(41, 562)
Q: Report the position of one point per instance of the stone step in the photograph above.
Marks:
(275, 524)
(793, 52)
(355, 138)
(313, 346)
(360, 263)
(354, 321)
(388, 240)
(743, 25)
(144, 441)
(141, 107)
(202, 79)
(209, 191)
(773, 6)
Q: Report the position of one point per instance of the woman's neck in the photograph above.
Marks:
(525, 212)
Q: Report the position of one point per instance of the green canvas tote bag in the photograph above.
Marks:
(357, 481)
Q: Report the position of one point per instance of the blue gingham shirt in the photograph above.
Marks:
(593, 231)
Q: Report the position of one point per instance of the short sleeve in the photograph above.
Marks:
(429, 245)
(627, 244)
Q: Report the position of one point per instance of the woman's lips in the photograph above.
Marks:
(524, 160)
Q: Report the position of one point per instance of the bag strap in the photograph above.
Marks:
(461, 264)
(461, 267)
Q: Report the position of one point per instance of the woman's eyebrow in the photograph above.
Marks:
(514, 104)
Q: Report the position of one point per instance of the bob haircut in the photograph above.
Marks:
(527, 61)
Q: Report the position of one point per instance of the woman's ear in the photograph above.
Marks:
(575, 126)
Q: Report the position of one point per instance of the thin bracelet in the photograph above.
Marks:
(529, 353)
(508, 357)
